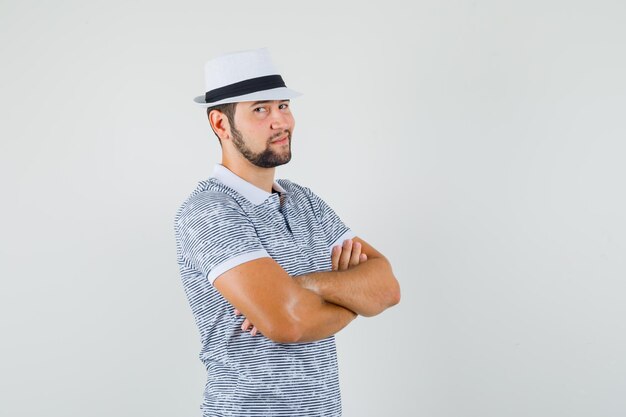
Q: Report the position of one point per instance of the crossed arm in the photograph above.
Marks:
(367, 288)
(312, 306)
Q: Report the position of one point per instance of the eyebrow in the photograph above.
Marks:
(266, 101)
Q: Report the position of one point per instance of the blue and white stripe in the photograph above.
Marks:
(227, 221)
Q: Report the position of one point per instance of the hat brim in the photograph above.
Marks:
(280, 93)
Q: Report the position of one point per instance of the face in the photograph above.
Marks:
(257, 126)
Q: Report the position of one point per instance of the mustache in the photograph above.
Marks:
(280, 135)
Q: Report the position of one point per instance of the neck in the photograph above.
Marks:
(260, 177)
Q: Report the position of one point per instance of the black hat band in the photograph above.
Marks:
(244, 87)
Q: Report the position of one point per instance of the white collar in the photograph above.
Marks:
(250, 191)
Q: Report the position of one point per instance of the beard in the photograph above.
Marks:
(269, 158)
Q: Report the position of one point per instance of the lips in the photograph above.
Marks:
(280, 139)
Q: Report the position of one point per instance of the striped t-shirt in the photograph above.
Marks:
(227, 221)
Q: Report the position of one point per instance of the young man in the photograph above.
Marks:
(271, 272)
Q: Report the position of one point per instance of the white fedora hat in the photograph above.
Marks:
(243, 76)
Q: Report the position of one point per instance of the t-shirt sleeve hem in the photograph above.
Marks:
(233, 262)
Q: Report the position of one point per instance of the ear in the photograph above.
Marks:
(219, 123)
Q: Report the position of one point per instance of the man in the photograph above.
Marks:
(271, 272)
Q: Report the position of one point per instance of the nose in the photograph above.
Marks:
(280, 120)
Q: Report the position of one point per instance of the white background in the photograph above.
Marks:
(479, 145)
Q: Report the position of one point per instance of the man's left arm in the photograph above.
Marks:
(367, 288)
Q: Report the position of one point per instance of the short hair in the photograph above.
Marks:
(229, 110)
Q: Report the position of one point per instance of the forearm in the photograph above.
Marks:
(367, 288)
(315, 318)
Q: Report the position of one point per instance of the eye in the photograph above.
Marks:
(285, 104)
(257, 108)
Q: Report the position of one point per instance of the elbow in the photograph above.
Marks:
(394, 294)
(283, 332)
(286, 327)
(295, 322)
(389, 297)
(291, 321)
(389, 300)
(393, 288)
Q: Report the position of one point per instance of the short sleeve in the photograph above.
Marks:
(335, 229)
(215, 235)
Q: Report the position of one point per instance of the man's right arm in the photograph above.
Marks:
(280, 308)
(213, 234)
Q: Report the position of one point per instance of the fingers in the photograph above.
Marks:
(334, 258)
(344, 259)
(355, 258)
(346, 255)
(246, 325)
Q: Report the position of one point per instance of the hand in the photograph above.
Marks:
(342, 257)
(246, 325)
(347, 255)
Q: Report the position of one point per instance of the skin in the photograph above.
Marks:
(367, 288)
(342, 258)
(247, 147)
(309, 307)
